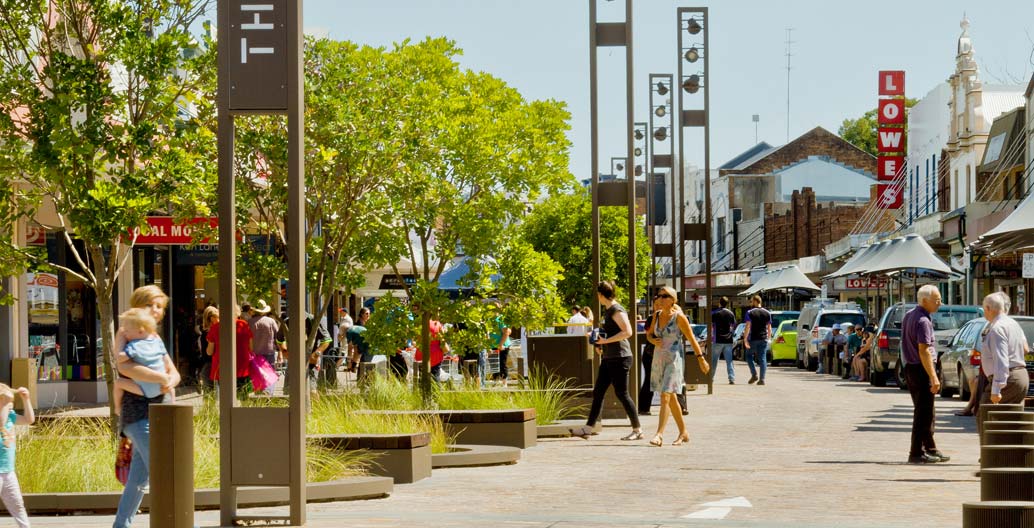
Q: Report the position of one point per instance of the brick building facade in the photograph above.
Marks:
(807, 227)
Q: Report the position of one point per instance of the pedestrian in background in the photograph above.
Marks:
(830, 347)
(723, 325)
(755, 340)
(1004, 356)
(263, 333)
(919, 356)
(668, 332)
(645, 390)
(615, 362)
(10, 491)
(577, 324)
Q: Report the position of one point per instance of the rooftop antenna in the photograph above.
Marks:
(789, 43)
(756, 118)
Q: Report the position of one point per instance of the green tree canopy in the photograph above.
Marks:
(99, 118)
(861, 132)
(560, 227)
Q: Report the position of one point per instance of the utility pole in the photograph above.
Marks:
(756, 118)
(789, 44)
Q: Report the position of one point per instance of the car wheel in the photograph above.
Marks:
(900, 377)
(877, 378)
(963, 385)
(946, 392)
(800, 363)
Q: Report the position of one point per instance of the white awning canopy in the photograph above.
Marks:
(787, 278)
(910, 252)
(1015, 232)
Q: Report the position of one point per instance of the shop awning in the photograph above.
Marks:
(857, 263)
(1015, 232)
(910, 252)
(761, 283)
(788, 278)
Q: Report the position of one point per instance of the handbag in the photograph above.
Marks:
(263, 375)
(123, 457)
(705, 368)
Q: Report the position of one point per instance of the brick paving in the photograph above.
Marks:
(804, 451)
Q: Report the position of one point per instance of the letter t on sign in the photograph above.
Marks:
(892, 83)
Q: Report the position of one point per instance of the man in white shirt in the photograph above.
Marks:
(577, 324)
(1003, 358)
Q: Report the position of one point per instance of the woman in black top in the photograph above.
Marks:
(615, 363)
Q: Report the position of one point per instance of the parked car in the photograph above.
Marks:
(960, 362)
(784, 342)
(737, 341)
(886, 365)
(816, 320)
(700, 332)
(778, 316)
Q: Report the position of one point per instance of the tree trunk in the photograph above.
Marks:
(103, 288)
(425, 366)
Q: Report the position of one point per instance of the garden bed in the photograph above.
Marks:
(351, 488)
(404, 457)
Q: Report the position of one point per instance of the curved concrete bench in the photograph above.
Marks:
(1010, 416)
(1007, 437)
(354, 488)
(1014, 407)
(503, 427)
(1005, 456)
(403, 457)
(997, 514)
(562, 429)
(1007, 484)
(471, 455)
(1011, 426)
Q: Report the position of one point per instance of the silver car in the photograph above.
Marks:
(960, 362)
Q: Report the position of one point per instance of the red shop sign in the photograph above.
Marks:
(163, 230)
(863, 283)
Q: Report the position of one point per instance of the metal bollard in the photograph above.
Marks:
(172, 465)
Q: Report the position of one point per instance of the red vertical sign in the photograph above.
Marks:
(891, 139)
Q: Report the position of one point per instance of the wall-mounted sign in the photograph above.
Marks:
(390, 281)
(890, 139)
(164, 231)
(1028, 265)
(258, 61)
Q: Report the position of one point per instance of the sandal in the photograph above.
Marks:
(682, 439)
(963, 413)
(634, 435)
(657, 441)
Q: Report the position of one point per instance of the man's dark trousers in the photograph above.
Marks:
(923, 415)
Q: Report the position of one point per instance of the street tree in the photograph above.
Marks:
(351, 149)
(861, 132)
(475, 152)
(99, 124)
(560, 227)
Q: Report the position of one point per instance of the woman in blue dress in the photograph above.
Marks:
(669, 330)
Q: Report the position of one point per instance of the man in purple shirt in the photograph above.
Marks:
(918, 355)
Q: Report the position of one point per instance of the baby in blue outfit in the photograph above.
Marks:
(144, 347)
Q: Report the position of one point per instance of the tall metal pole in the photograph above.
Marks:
(594, 148)
(633, 296)
(296, 260)
(676, 117)
(649, 231)
(227, 274)
(708, 221)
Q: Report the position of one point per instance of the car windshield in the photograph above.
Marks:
(830, 319)
(1028, 329)
(789, 327)
(948, 319)
(739, 329)
(778, 318)
(698, 329)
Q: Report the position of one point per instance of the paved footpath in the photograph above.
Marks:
(803, 451)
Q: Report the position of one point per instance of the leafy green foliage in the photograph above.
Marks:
(101, 120)
(560, 227)
(861, 132)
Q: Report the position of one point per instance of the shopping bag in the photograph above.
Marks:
(123, 457)
(263, 375)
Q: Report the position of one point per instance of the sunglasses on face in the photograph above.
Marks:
(663, 296)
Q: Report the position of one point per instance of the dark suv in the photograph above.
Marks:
(946, 322)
